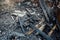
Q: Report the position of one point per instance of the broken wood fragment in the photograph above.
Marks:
(29, 32)
(52, 30)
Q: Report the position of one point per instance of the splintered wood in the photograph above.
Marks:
(52, 30)
(39, 26)
(30, 31)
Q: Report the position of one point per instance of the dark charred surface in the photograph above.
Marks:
(25, 20)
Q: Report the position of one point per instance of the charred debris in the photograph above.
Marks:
(29, 20)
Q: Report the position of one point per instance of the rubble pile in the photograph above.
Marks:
(27, 21)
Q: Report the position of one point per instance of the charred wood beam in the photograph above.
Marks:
(21, 24)
(43, 6)
(42, 33)
(52, 30)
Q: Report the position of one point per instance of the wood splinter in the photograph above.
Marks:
(52, 30)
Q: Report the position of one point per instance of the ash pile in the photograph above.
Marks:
(26, 22)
